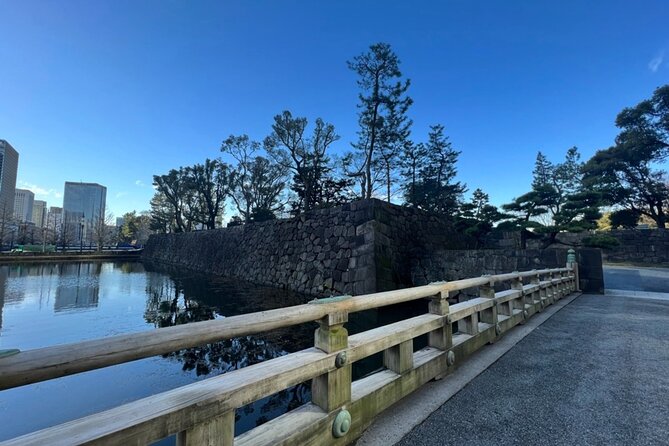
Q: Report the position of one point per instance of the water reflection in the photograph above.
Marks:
(47, 304)
(78, 286)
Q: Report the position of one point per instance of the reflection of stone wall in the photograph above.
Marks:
(358, 248)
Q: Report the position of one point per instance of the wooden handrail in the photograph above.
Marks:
(203, 412)
(46, 363)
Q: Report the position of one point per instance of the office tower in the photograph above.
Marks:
(39, 213)
(84, 203)
(9, 165)
(23, 205)
(54, 219)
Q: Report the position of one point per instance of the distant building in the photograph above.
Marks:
(9, 165)
(23, 205)
(119, 221)
(54, 219)
(39, 213)
(84, 200)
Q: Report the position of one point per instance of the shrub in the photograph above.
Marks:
(601, 241)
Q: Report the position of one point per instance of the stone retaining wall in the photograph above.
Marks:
(643, 246)
(361, 247)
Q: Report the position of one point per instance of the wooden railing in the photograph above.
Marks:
(340, 409)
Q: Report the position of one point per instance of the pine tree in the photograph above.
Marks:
(381, 91)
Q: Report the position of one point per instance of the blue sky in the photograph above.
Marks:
(116, 91)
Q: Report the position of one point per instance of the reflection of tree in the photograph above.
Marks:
(184, 299)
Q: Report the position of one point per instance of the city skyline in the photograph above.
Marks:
(162, 86)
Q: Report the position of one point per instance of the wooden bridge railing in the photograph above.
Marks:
(340, 409)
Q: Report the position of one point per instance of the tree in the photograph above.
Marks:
(209, 185)
(414, 157)
(478, 217)
(558, 194)
(393, 137)
(103, 230)
(174, 190)
(255, 182)
(436, 189)
(381, 90)
(136, 227)
(305, 157)
(626, 174)
(163, 218)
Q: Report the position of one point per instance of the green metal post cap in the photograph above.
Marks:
(450, 358)
(571, 256)
(342, 423)
(340, 360)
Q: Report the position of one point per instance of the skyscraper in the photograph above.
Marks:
(84, 200)
(23, 205)
(9, 165)
(39, 213)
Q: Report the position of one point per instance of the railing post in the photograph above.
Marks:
(489, 315)
(552, 292)
(217, 431)
(536, 280)
(519, 303)
(333, 389)
(441, 338)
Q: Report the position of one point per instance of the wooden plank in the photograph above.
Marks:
(463, 309)
(159, 416)
(152, 418)
(218, 431)
(399, 358)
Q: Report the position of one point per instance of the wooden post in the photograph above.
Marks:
(552, 291)
(333, 389)
(441, 338)
(218, 431)
(489, 315)
(399, 358)
(536, 295)
(518, 304)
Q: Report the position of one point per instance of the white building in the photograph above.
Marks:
(23, 205)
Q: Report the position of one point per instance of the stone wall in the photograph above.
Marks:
(460, 264)
(642, 246)
(361, 247)
(325, 251)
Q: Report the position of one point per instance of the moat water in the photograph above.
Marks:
(48, 304)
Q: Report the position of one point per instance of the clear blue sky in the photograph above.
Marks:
(116, 91)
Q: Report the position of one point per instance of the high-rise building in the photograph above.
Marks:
(84, 203)
(54, 219)
(9, 165)
(23, 205)
(39, 213)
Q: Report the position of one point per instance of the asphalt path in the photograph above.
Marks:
(595, 373)
(654, 280)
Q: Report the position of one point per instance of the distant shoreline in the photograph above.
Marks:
(38, 257)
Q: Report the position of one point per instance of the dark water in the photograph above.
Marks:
(49, 304)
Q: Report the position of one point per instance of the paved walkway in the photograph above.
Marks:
(595, 373)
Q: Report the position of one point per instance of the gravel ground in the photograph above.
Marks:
(596, 373)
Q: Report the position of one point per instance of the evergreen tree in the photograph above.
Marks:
(305, 157)
(381, 92)
(436, 189)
